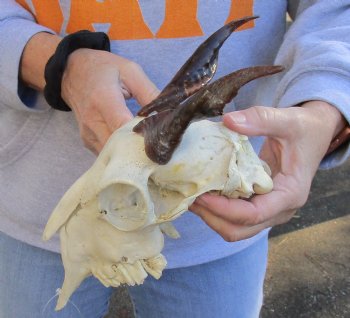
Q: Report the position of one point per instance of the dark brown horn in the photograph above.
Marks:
(163, 131)
(198, 70)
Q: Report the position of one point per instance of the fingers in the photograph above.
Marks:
(286, 195)
(229, 231)
(259, 121)
(104, 112)
(295, 144)
(232, 232)
(133, 82)
(236, 219)
(142, 89)
(235, 226)
(235, 211)
(113, 109)
(94, 132)
(95, 85)
(136, 82)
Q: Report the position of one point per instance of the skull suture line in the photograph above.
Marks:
(113, 218)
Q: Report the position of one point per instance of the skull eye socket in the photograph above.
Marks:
(170, 200)
(124, 206)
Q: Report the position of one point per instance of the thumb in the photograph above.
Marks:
(258, 121)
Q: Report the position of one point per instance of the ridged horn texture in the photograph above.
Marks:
(188, 97)
(198, 70)
(163, 131)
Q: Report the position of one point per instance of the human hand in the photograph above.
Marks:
(95, 85)
(297, 140)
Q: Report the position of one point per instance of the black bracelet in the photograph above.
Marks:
(56, 65)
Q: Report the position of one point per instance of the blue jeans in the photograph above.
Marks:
(229, 287)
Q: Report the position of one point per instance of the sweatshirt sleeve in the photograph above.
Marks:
(17, 26)
(316, 54)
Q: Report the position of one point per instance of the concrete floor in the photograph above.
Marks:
(309, 262)
(309, 272)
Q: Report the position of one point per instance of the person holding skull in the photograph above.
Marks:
(43, 153)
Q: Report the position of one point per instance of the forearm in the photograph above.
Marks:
(35, 56)
(317, 64)
(17, 28)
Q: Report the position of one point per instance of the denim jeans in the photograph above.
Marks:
(229, 287)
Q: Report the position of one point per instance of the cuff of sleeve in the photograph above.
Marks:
(13, 93)
(330, 87)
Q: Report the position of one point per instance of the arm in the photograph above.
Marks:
(34, 58)
(316, 51)
(17, 27)
(95, 83)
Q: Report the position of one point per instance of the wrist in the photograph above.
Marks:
(56, 64)
(334, 118)
(339, 127)
(34, 58)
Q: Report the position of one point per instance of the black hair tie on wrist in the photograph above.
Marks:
(56, 65)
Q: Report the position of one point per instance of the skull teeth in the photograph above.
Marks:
(154, 266)
(131, 274)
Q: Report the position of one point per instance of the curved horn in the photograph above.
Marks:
(198, 70)
(163, 131)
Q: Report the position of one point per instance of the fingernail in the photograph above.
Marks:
(238, 118)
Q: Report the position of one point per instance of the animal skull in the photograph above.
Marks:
(151, 170)
(111, 220)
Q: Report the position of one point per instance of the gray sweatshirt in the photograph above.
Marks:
(41, 153)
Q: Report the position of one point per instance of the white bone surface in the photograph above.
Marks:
(112, 219)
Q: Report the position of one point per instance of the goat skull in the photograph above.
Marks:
(113, 218)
